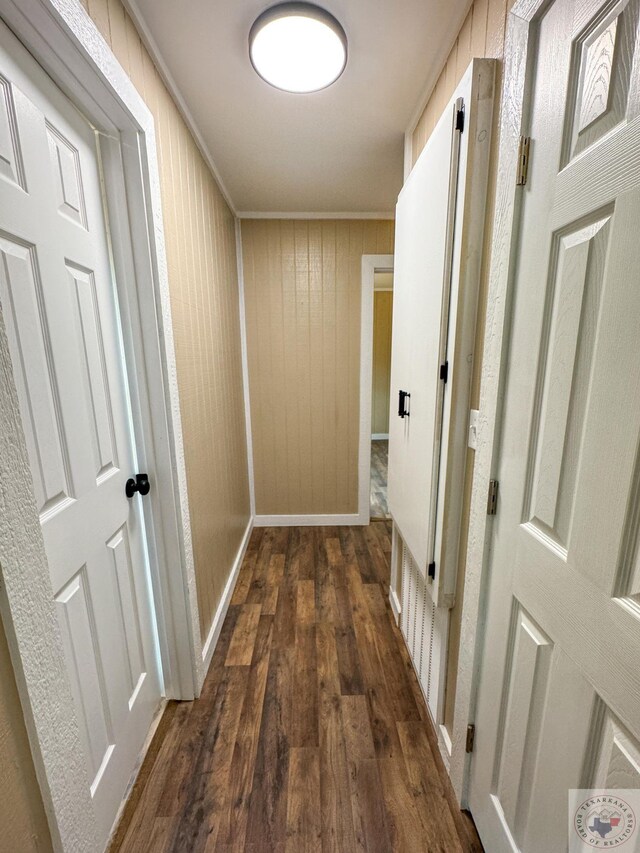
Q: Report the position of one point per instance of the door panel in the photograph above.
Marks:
(22, 291)
(60, 303)
(574, 295)
(420, 312)
(562, 639)
(94, 370)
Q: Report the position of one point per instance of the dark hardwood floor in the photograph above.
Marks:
(311, 733)
(379, 507)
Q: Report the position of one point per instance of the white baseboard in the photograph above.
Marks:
(157, 717)
(380, 436)
(309, 520)
(444, 742)
(216, 626)
(395, 605)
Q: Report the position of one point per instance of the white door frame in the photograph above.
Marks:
(517, 77)
(65, 41)
(371, 264)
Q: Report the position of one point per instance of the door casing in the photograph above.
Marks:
(65, 41)
(517, 77)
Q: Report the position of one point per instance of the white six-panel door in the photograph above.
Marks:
(59, 303)
(559, 696)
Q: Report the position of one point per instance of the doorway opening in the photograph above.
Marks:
(375, 386)
(380, 392)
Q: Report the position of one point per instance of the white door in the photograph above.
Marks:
(59, 303)
(559, 695)
(423, 253)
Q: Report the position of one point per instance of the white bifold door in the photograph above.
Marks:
(439, 227)
(439, 224)
(559, 690)
(422, 283)
(60, 310)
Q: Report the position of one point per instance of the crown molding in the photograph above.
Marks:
(151, 45)
(297, 214)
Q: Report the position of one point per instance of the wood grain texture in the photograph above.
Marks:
(302, 284)
(203, 281)
(322, 741)
(381, 385)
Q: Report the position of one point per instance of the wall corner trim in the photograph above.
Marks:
(211, 642)
(245, 368)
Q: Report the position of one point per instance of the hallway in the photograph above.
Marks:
(311, 732)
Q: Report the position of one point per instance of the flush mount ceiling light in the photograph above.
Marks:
(298, 47)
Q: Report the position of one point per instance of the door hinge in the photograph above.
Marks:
(471, 736)
(444, 372)
(460, 120)
(431, 571)
(492, 498)
(523, 161)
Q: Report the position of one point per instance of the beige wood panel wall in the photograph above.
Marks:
(302, 284)
(23, 824)
(381, 373)
(482, 35)
(201, 255)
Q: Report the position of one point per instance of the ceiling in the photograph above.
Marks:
(338, 150)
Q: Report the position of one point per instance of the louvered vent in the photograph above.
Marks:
(424, 629)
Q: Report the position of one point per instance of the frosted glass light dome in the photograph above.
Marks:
(298, 47)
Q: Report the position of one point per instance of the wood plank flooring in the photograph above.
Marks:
(379, 508)
(311, 733)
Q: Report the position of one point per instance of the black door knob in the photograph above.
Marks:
(140, 484)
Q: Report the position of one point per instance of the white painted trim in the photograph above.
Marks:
(444, 744)
(506, 216)
(66, 42)
(163, 69)
(379, 436)
(370, 264)
(246, 390)
(308, 520)
(297, 214)
(218, 620)
(396, 607)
